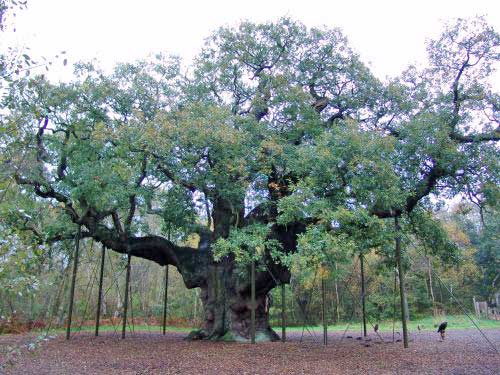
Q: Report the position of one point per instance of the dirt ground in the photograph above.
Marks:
(463, 352)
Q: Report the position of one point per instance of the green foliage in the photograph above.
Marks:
(484, 238)
(323, 247)
(433, 237)
(488, 259)
(247, 244)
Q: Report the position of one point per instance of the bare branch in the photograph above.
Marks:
(484, 137)
(40, 150)
(44, 190)
(61, 168)
(188, 185)
(132, 197)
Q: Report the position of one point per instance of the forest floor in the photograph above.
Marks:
(463, 352)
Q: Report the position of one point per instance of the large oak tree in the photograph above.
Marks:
(273, 129)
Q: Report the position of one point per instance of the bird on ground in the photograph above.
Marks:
(442, 328)
(375, 328)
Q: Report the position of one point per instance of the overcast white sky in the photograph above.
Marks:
(388, 34)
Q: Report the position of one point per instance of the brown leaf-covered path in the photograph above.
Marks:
(463, 352)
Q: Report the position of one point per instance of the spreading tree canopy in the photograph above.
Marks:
(277, 139)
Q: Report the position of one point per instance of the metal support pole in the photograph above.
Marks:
(73, 281)
(125, 300)
(165, 300)
(363, 292)
(323, 312)
(283, 313)
(99, 296)
(404, 313)
(252, 281)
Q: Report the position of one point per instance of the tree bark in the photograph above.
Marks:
(227, 304)
(226, 288)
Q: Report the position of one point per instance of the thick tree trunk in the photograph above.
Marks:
(226, 298)
(226, 287)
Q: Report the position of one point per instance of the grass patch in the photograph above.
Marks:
(118, 329)
(426, 324)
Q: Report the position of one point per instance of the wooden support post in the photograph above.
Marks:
(323, 312)
(131, 302)
(125, 300)
(283, 313)
(165, 295)
(394, 304)
(363, 291)
(99, 295)
(337, 299)
(402, 294)
(252, 317)
(165, 300)
(431, 289)
(73, 282)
